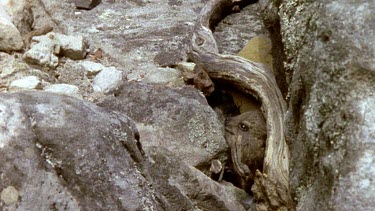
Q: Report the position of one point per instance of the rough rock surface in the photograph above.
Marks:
(48, 47)
(10, 37)
(28, 82)
(91, 68)
(164, 76)
(330, 49)
(188, 181)
(66, 89)
(86, 4)
(107, 80)
(177, 119)
(39, 131)
(106, 170)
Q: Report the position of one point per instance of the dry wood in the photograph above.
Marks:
(271, 187)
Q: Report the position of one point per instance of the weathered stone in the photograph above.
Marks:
(87, 157)
(91, 68)
(330, 48)
(235, 30)
(171, 175)
(6, 65)
(44, 52)
(170, 58)
(65, 89)
(10, 37)
(20, 13)
(86, 4)
(164, 76)
(51, 45)
(73, 47)
(178, 119)
(107, 80)
(185, 66)
(28, 82)
(66, 154)
(9, 195)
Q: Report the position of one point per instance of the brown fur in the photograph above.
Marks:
(246, 136)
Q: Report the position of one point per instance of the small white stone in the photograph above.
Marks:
(9, 195)
(28, 82)
(65, 89)
(107, 80)
(91, 68)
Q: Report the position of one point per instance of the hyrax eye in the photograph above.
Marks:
(243, 127)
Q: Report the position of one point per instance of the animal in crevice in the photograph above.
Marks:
(246, 136)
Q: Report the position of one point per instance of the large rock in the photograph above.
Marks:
(178, 119)
(65, 154)
(61, 153)
(171, 175)
(330, 49)
(21, 14)
(10, 37)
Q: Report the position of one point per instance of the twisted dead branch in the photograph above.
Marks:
(271, 188)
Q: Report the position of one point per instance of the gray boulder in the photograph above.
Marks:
(10, 37)
(330, 48)
(61, 153)
(182, 183)
(178, 119)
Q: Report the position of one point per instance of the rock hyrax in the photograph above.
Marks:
(246, 136)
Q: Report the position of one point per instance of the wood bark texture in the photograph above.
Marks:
(271, 188)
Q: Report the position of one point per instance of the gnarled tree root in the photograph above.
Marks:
(271, 187)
